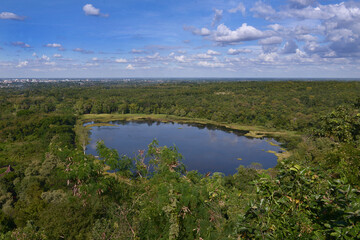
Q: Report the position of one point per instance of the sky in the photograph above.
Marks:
(187, 38)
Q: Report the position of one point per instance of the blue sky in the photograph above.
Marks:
(188, 38)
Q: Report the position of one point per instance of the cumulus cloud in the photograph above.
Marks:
(271, 40)
(80, 50)
(212, 52)
(289, 47)
(130, 67)
(155, 55)
(22, 64)
(217, 16)
(268, 57)
(315, 48)
(232, 51)
(121, 60)
(306, 38)
(328, 30)
(239, 8)
(11, 16)
(276, 27)
(57, 56)
(20, 44)
(201, 32)
(263, 10)
(344, 11)
(90, 10)
(244, 33)
(301, 3)
(45, 58)
(180, 58)
(203, 56)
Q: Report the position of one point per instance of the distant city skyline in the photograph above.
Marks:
(166, 38)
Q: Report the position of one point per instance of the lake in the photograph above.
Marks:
(205, 148)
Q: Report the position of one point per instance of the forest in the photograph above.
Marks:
(53, 190)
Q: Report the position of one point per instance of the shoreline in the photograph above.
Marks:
(249, 131)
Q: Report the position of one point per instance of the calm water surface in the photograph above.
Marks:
(205, 148)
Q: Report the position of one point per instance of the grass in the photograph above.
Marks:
(280, 156)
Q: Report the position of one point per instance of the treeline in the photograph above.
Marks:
(55, 191)
(285, 105)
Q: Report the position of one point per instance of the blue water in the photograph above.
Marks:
(204, 148)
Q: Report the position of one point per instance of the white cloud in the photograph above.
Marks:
(202, 31)
(20, 44)
(80, 50)
(90, 10)
(136, 51)
(22, 64)
(244, 33)
(276, 27)
(300, 3)
(34, 54)
(53, 45)
(217, 16)
(57, 55)
(289, 47)
(155, 55)
(203, 56)
(345, 35)
(180, 58)
(121, 60)
(232, 51)
(210, 64)
(50, 63)
(45, 58)
(263, 10)
(239, 8)
(330, 54)
(92, 64)
(11, 16)
(212, 52)
(306, 38)
(343, 11)
(268, 57)
(130, 67)
(299, 53)
(208, 55)
(271, 40)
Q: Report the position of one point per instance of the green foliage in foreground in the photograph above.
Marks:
(58, 192)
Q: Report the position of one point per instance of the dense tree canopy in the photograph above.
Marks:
(55, 191)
